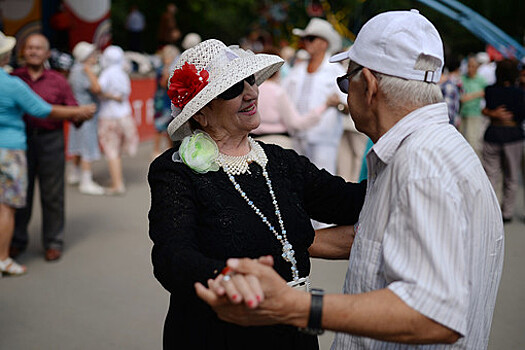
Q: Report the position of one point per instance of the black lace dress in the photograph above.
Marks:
(197, 221)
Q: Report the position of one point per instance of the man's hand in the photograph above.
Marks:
(277, 305)
(84, 112)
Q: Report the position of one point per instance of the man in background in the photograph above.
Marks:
(45, 151)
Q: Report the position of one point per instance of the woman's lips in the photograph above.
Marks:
(250, 110)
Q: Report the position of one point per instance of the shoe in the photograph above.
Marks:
(115, 191)
(15, 251)
(91, 188)
(9, 267)
(73, 176)
(53, 254)
(507, 220)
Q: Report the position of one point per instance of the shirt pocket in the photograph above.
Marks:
(366, 266)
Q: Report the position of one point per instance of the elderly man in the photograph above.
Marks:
(45, 151)
(426, 260)
(309, 84)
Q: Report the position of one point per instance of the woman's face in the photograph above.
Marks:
(235, 117)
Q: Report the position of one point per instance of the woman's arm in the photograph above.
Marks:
(173, 220)
(94, 86)
(333, 242)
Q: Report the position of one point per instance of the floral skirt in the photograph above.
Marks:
(118, 136)
(13, 177)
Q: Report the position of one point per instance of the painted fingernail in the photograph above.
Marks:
(250, 303)
(258, 298)
(235, 296)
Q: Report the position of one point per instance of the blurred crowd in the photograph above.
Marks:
(300, 106)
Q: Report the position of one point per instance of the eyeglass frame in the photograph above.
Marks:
(236, 89)
(340, 80)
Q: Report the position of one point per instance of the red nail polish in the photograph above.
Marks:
(250, 303)
(258, 297)
(234, 297)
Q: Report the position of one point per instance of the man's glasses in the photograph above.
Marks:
(236, 89)
(344, 81)
(310, 38)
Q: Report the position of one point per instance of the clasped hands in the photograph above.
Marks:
(252, 294)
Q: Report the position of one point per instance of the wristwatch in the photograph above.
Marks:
(316, 313)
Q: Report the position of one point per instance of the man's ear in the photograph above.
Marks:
(371, 85)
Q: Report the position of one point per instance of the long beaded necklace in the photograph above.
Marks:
(239, 165)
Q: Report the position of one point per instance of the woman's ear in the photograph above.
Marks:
(371, 85)
(201, 119)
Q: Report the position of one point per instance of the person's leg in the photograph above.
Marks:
(23, 215)
(492, 163)
(7, 226)
(51, 184)
(115, 171)
(512, 153)
(87, 185)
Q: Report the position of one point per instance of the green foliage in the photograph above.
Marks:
(230, 20)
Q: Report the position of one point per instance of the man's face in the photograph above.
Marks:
(315, 45)
(36, 50)
(355, 98)
(472, 67)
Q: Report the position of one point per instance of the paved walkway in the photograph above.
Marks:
(102, 294)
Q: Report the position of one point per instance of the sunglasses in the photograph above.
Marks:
(310, 38)
(344, 81)
(236, 89)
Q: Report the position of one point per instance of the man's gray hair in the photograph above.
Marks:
(401, 93)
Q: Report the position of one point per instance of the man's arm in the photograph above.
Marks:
(332, 243)
(379, 314)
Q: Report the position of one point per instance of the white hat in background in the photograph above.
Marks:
(6, 43)
(482, 57)
(83, 50)
(205, 71)
(190, 40)
(391, 43)
(323, 29)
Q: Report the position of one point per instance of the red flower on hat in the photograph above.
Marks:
(185, 83)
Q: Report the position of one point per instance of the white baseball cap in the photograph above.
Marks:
(391, 43)
(83, 50)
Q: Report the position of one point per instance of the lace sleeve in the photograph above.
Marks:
(177, 262)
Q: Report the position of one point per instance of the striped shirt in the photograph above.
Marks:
(430, 231)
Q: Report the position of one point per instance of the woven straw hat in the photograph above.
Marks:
(83, 50)
(225, 66)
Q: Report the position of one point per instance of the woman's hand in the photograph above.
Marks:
(238, 288)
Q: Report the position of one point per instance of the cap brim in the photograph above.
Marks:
(339, 57)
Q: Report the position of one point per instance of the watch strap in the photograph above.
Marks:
(316, 313)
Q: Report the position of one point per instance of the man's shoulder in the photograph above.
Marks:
(19, 72)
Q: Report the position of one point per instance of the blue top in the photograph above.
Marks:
(16, 98)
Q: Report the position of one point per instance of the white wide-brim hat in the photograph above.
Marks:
(392, 42)
(83, 50)
(226, 66)
(323, 29)
(6, 43)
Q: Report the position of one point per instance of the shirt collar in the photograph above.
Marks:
(25, 73)
(387, 145)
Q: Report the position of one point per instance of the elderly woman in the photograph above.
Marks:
(219, 194)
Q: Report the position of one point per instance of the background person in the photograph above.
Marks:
(503, 139)
(83, 141)
(473, 123)
(17, 99)
(117, 131)
(221, 194)
(427, 257)
(45, 151)
(309, 84)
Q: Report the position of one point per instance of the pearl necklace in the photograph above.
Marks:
(239, 165)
